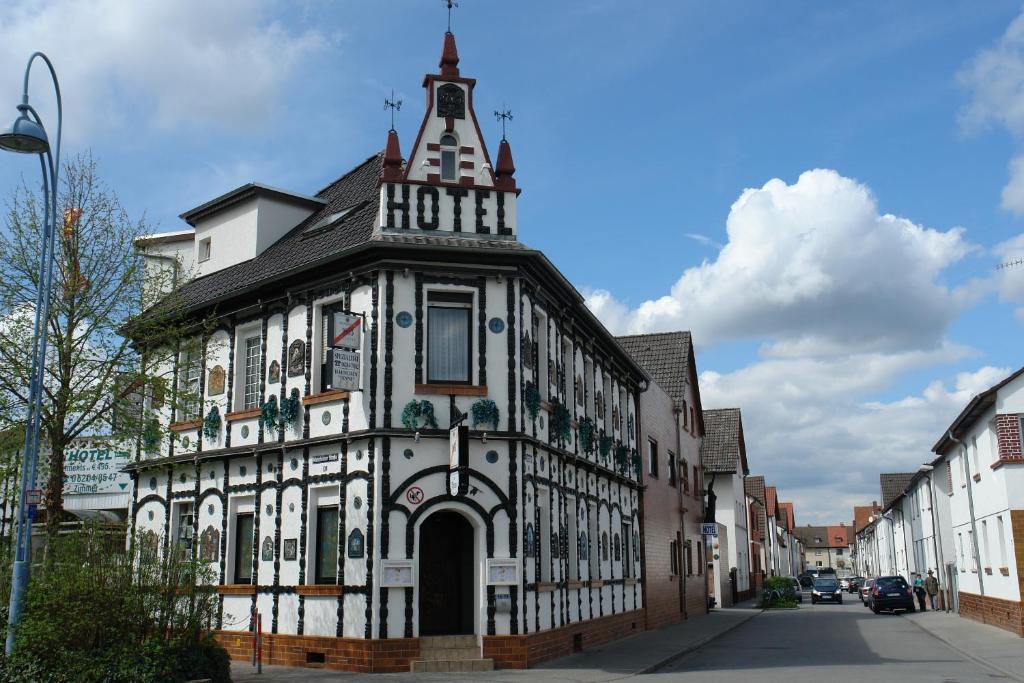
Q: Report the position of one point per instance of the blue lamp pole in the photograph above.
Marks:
(28, 136)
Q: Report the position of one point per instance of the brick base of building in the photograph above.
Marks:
(1006, 614)
(392, 655)
(522, 652)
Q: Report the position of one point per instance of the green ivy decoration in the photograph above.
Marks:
(268, 413)
(485, 411)
(587, 433)
(561, 422)
(290, 407)
(532, 400)
(418, 409)
(211, 424)
(605, 446)
(622, 462)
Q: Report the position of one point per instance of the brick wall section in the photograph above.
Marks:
(1008, 434)
(1005, 614)
(347, 654)
(521, 652)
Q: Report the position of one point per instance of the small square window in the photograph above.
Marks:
(205, 249)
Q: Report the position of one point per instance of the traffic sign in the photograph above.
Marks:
(345, 329)
(34, 497)
(709, 529)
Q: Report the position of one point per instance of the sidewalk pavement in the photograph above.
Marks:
(987, 645)
(642, 653)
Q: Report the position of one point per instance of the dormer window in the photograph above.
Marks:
(449, 158)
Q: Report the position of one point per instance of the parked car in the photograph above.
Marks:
(865, 590)
(826, 588)
(891, 593)
(853, 584)
(797, 590)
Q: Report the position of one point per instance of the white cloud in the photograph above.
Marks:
(1013, 192)
(814, 267)
(186, 63)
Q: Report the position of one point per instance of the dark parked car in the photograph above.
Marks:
(826, 588)
(865, 590)
(891, 593)
(853, 584)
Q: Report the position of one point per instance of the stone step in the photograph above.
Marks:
(447, 642)
(451, 665)
(449, 653)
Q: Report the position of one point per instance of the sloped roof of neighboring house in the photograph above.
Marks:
(974, 409)
(839, 536)
(668, 358)
(754, 487)
(723, 450)
(771, 496)
(788, 516)
(862, 513)
(893, 485)
(832, 536)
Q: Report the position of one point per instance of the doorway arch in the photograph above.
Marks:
(447, 568)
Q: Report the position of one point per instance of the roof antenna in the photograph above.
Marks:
(503, 116)
(450, 3)
(394, 105)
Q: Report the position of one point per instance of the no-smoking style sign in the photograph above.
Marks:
(414, 495)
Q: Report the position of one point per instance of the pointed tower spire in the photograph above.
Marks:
(392, 169)
(505, 169)
(449, 57)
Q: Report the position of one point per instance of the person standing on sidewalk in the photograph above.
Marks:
(931, 587)
(919, 591)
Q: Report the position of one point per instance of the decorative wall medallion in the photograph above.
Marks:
(209, 509)
(297, 358)
(185, 441)
(527, 352)
(151, 515)
(451, 101)
(274, 372)
(209, 544)
(531, 541)
(356, 547)
(152, 485)
(182, 478)
(215, 384)
(543, 464)
(414, 495)
(357, 502)
(270, 467)
(291, 546)
(245, 431)
(600, 404)
(403, 319)
(291, 507)
(629, 425)
(492, 457)
(213, 475)
(359, 455)
(579, 390)
(295, 464)
(540, 422)
(267, 549)
(615, 416)
(326, 417)
(584, 546)
(269, 509)
(408, 453)
(242, 470)
(604, 545)
(636, 546)
(554, 546)
(618, 548)
(496, 325)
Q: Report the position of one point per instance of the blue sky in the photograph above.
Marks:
(637, 129)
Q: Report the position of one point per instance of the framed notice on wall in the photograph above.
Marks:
(397, 574)
(502, 571)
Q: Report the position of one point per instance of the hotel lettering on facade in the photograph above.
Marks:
(319, 476)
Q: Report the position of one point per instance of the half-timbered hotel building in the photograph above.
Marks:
(322, 470)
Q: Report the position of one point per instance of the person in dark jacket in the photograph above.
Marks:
(931, 587)
(919, 591)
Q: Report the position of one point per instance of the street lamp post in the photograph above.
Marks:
(28, 136)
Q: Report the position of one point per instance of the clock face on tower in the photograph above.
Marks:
(451, 101)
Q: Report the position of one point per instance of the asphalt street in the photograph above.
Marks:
(825, 642)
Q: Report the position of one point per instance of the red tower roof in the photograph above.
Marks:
(505, 168)
(391, 170)
(449, 56)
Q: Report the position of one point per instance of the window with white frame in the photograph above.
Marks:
(189, 400)
(449, 337)
(986, 555)
(449, 158)
(974, 456)
(1002, 540)
(251, 373)
(183, 527)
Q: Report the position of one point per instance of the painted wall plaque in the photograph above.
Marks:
(451, 101)
(356, 546)
(217, 379)
(531, 542)
(209, 544)
(584, 546)
(267, 549)
(274, 373)
(404, 319)
(397, 574)
(297, 358)
(291, 548)
(618, 548)
(604, 545)
(502, 571)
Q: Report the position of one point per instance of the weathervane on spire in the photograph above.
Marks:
(503, 116)
(394, 105)
(450, 3)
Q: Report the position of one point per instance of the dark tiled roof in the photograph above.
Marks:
(754, 486)
(893, 485)
(296, 251)
(666, 358)
(722, 449)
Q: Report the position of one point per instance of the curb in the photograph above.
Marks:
(977, 660)
(696, 646)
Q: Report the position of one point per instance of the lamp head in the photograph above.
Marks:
(25, 136)
(925, 468)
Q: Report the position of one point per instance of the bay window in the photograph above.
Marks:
(449, 337)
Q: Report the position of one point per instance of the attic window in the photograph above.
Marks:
(205, 250)
(331, 220)
(449, 153)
